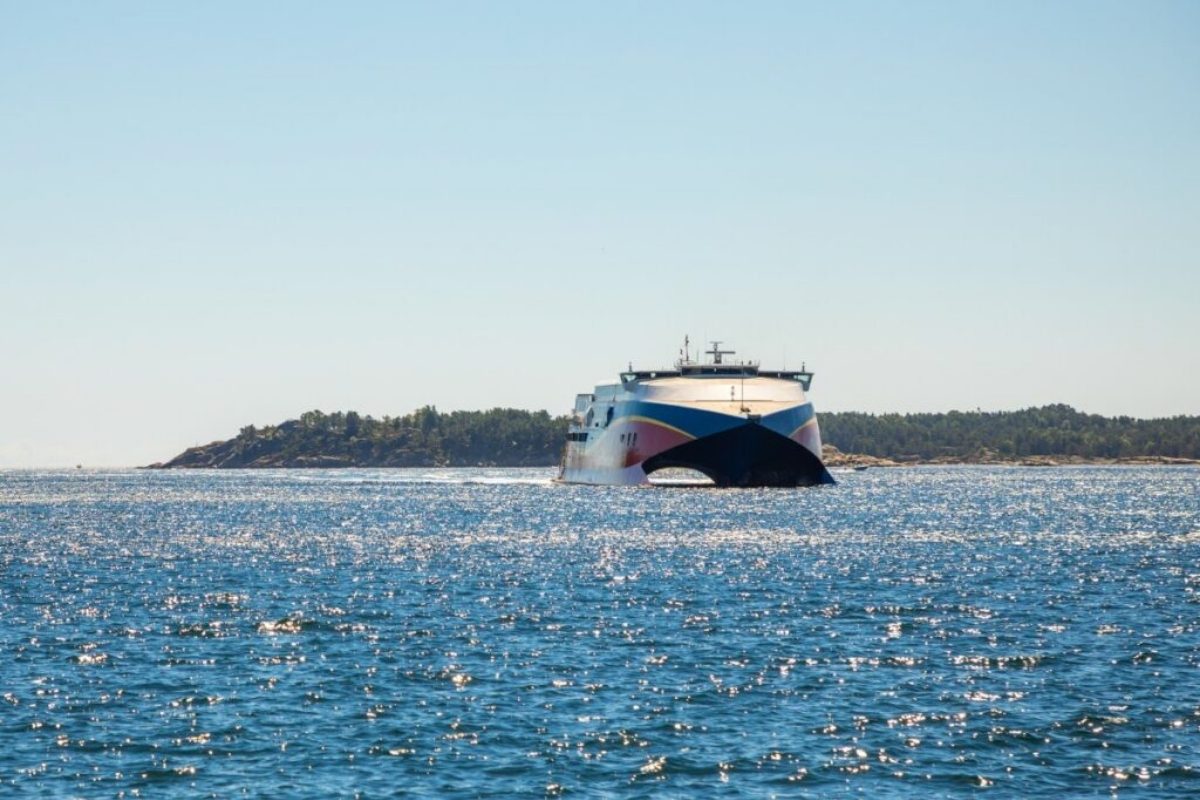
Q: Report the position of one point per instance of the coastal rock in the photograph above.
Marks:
(836, 458)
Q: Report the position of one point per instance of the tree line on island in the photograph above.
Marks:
(1054, 431)
(500, 437)
(517, 438)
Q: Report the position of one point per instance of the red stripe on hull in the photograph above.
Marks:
(648, 440)
(810, 437)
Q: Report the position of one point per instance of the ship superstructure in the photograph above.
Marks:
(732, 421)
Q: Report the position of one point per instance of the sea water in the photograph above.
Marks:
(916, 632)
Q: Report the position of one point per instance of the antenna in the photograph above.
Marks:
(684, 356)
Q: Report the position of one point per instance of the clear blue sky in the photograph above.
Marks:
(214, 214)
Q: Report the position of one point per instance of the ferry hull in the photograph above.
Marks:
(778, 449)
(732, 422)
(748, 455)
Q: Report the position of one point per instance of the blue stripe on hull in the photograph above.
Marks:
(693, 421)
(700, 422)
(788, 421)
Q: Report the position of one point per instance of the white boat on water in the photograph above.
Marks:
(735, 423)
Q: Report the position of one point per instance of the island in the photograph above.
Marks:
(509, 437)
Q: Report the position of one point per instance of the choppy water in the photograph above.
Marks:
(914, 632)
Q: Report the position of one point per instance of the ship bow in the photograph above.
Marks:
(746, 455)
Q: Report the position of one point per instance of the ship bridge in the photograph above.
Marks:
(714, 367)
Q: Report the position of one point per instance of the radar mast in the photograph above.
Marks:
(717, 352)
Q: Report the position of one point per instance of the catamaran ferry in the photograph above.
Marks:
(735, 423)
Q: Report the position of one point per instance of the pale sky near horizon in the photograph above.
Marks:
(214, 214)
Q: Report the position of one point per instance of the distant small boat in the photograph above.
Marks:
(861, 467)
(734, 423)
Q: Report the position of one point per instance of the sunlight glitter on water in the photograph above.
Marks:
(924, 631)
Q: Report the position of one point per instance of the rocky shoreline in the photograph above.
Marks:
(507, 437)
(221, 455)
(836, 458)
